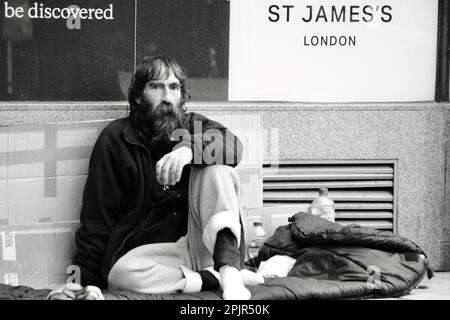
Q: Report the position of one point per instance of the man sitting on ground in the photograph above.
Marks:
(160, 207)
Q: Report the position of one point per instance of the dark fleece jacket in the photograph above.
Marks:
(124, 206)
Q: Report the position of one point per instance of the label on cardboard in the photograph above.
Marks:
(9, 246)
(11, 279)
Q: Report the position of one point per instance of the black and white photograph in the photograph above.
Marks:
(241, 152)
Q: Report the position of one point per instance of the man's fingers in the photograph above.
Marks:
(165, 171)
(172, 178)
(158, 169)
(175, 168)
(174, 172)
(160, 165)
(178, 172)
(170, 167)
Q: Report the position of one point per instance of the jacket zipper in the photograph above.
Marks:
(113, 256)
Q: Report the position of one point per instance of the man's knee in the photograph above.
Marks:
(218, 171)
(120, 278)
(129, 276)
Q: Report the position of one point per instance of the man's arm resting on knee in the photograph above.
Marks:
(214, 144)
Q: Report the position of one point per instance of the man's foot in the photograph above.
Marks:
(74, 291)
(232, 285)
(250, 278)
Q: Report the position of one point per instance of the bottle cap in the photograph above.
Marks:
(323, 191)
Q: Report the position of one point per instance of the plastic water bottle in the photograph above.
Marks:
(259, 237)
(323, 206)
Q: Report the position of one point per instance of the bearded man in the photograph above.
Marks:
(160, 209)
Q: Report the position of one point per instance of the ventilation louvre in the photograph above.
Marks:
(362, 191)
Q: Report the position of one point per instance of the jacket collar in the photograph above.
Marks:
(130, 134)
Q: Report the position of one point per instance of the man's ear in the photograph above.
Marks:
(138, 100)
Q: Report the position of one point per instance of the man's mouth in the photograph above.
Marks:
(166, 108)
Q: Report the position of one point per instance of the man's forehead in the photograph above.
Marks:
(163, 77)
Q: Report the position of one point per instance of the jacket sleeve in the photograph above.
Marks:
(104, 200)
(211, 142)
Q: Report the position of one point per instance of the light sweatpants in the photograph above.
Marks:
(171, 267)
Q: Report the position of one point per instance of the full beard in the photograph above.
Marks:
(160, 121)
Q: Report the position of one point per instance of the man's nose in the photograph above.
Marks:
(166, 95)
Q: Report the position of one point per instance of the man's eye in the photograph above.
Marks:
(175, 87)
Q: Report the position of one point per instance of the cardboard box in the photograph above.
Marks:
(37, 255)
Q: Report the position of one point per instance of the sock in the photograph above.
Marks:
(232, 284)
(226, 250)
(209, 281)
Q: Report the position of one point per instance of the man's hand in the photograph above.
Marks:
(170, 167)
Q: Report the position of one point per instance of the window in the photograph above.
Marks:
(195, 33)
(50, 59)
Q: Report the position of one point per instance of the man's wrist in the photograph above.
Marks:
(189, 153)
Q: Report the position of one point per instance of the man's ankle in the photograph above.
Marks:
(210, 281)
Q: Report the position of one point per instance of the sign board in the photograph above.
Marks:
(333, 51)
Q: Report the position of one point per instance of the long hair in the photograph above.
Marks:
(156, 123)
(151, 68)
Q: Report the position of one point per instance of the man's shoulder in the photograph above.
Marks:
(114, 128)
(195, 115)
(192, 117)
(116, 125)
(111, 142)
(112, 133)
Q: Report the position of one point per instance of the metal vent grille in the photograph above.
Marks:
(364, 192)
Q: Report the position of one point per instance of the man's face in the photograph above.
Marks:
(157, 92)
(161, 100)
